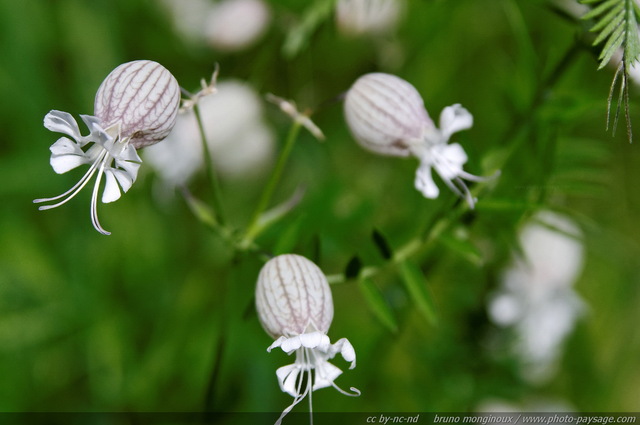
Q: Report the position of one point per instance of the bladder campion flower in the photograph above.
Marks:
(294, 305)
(386, 115)
(136, 106)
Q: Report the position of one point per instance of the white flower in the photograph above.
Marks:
(358, 17)
(386, 115)
(536, 297)
(136, 106)
(233, 25)
(240, 142)
(294, 305)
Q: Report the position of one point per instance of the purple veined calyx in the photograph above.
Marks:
(386, 115)
(295, 307)
(135, 106)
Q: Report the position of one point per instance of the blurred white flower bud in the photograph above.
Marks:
(135, 106)
(294, 304)
(386, 115)
(536, 297)
(241, 144)
(359, 17)
(233, 25)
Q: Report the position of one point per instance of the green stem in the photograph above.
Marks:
(255, 227)
(214, 186)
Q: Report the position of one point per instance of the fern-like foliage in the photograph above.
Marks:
(616, 23)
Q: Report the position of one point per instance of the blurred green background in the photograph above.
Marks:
(133, 321)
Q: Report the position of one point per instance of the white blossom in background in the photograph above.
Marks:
(240, 143)
(226, 25)
(536, 297)
(386, 115)
(533, 405)
(294, 305)
(233, 25)
(189, 17)
(364, 17)
(135, 106)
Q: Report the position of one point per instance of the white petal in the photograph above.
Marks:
(344, 347)
(130, 169)
(124, 178)
(326, 373)
(448, 160)
(277, 343)
(424, 182)
(287, 377)
(453, 119)
(130, 154)
(111, 189)
(291, 344)
(62, 122)
(314, 339)
(66, 155)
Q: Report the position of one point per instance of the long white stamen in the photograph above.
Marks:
(94, 199)
(467, 193)
(310, 380)
(71, 193)
(299, 397)
(356, 392)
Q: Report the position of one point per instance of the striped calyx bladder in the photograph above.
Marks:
(293, 297)
(386, 114)
(141, 97)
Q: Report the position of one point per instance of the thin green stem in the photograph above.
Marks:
(255, 227)
(214, 186)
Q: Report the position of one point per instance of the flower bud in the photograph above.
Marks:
(386, 114)
(293, 297)
(359, 17)
(142, 98)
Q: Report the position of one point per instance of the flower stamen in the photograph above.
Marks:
(71, 193)
(94, 197)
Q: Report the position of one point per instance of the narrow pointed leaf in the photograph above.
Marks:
(463, 248)
(377, 304)
(418, 289)
(608, 29)
(602, 8)
(616, 13)
(353, 268)
(288, 238)
(610, 48)
(381, 243)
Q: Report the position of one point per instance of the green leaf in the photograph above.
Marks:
(608, 29)
(200, 209)
(298, 37)
(377, 304)
(353, 268)
(462, 247)
(599, 10)
(288, 238)
(417, 287)
(382, 244)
